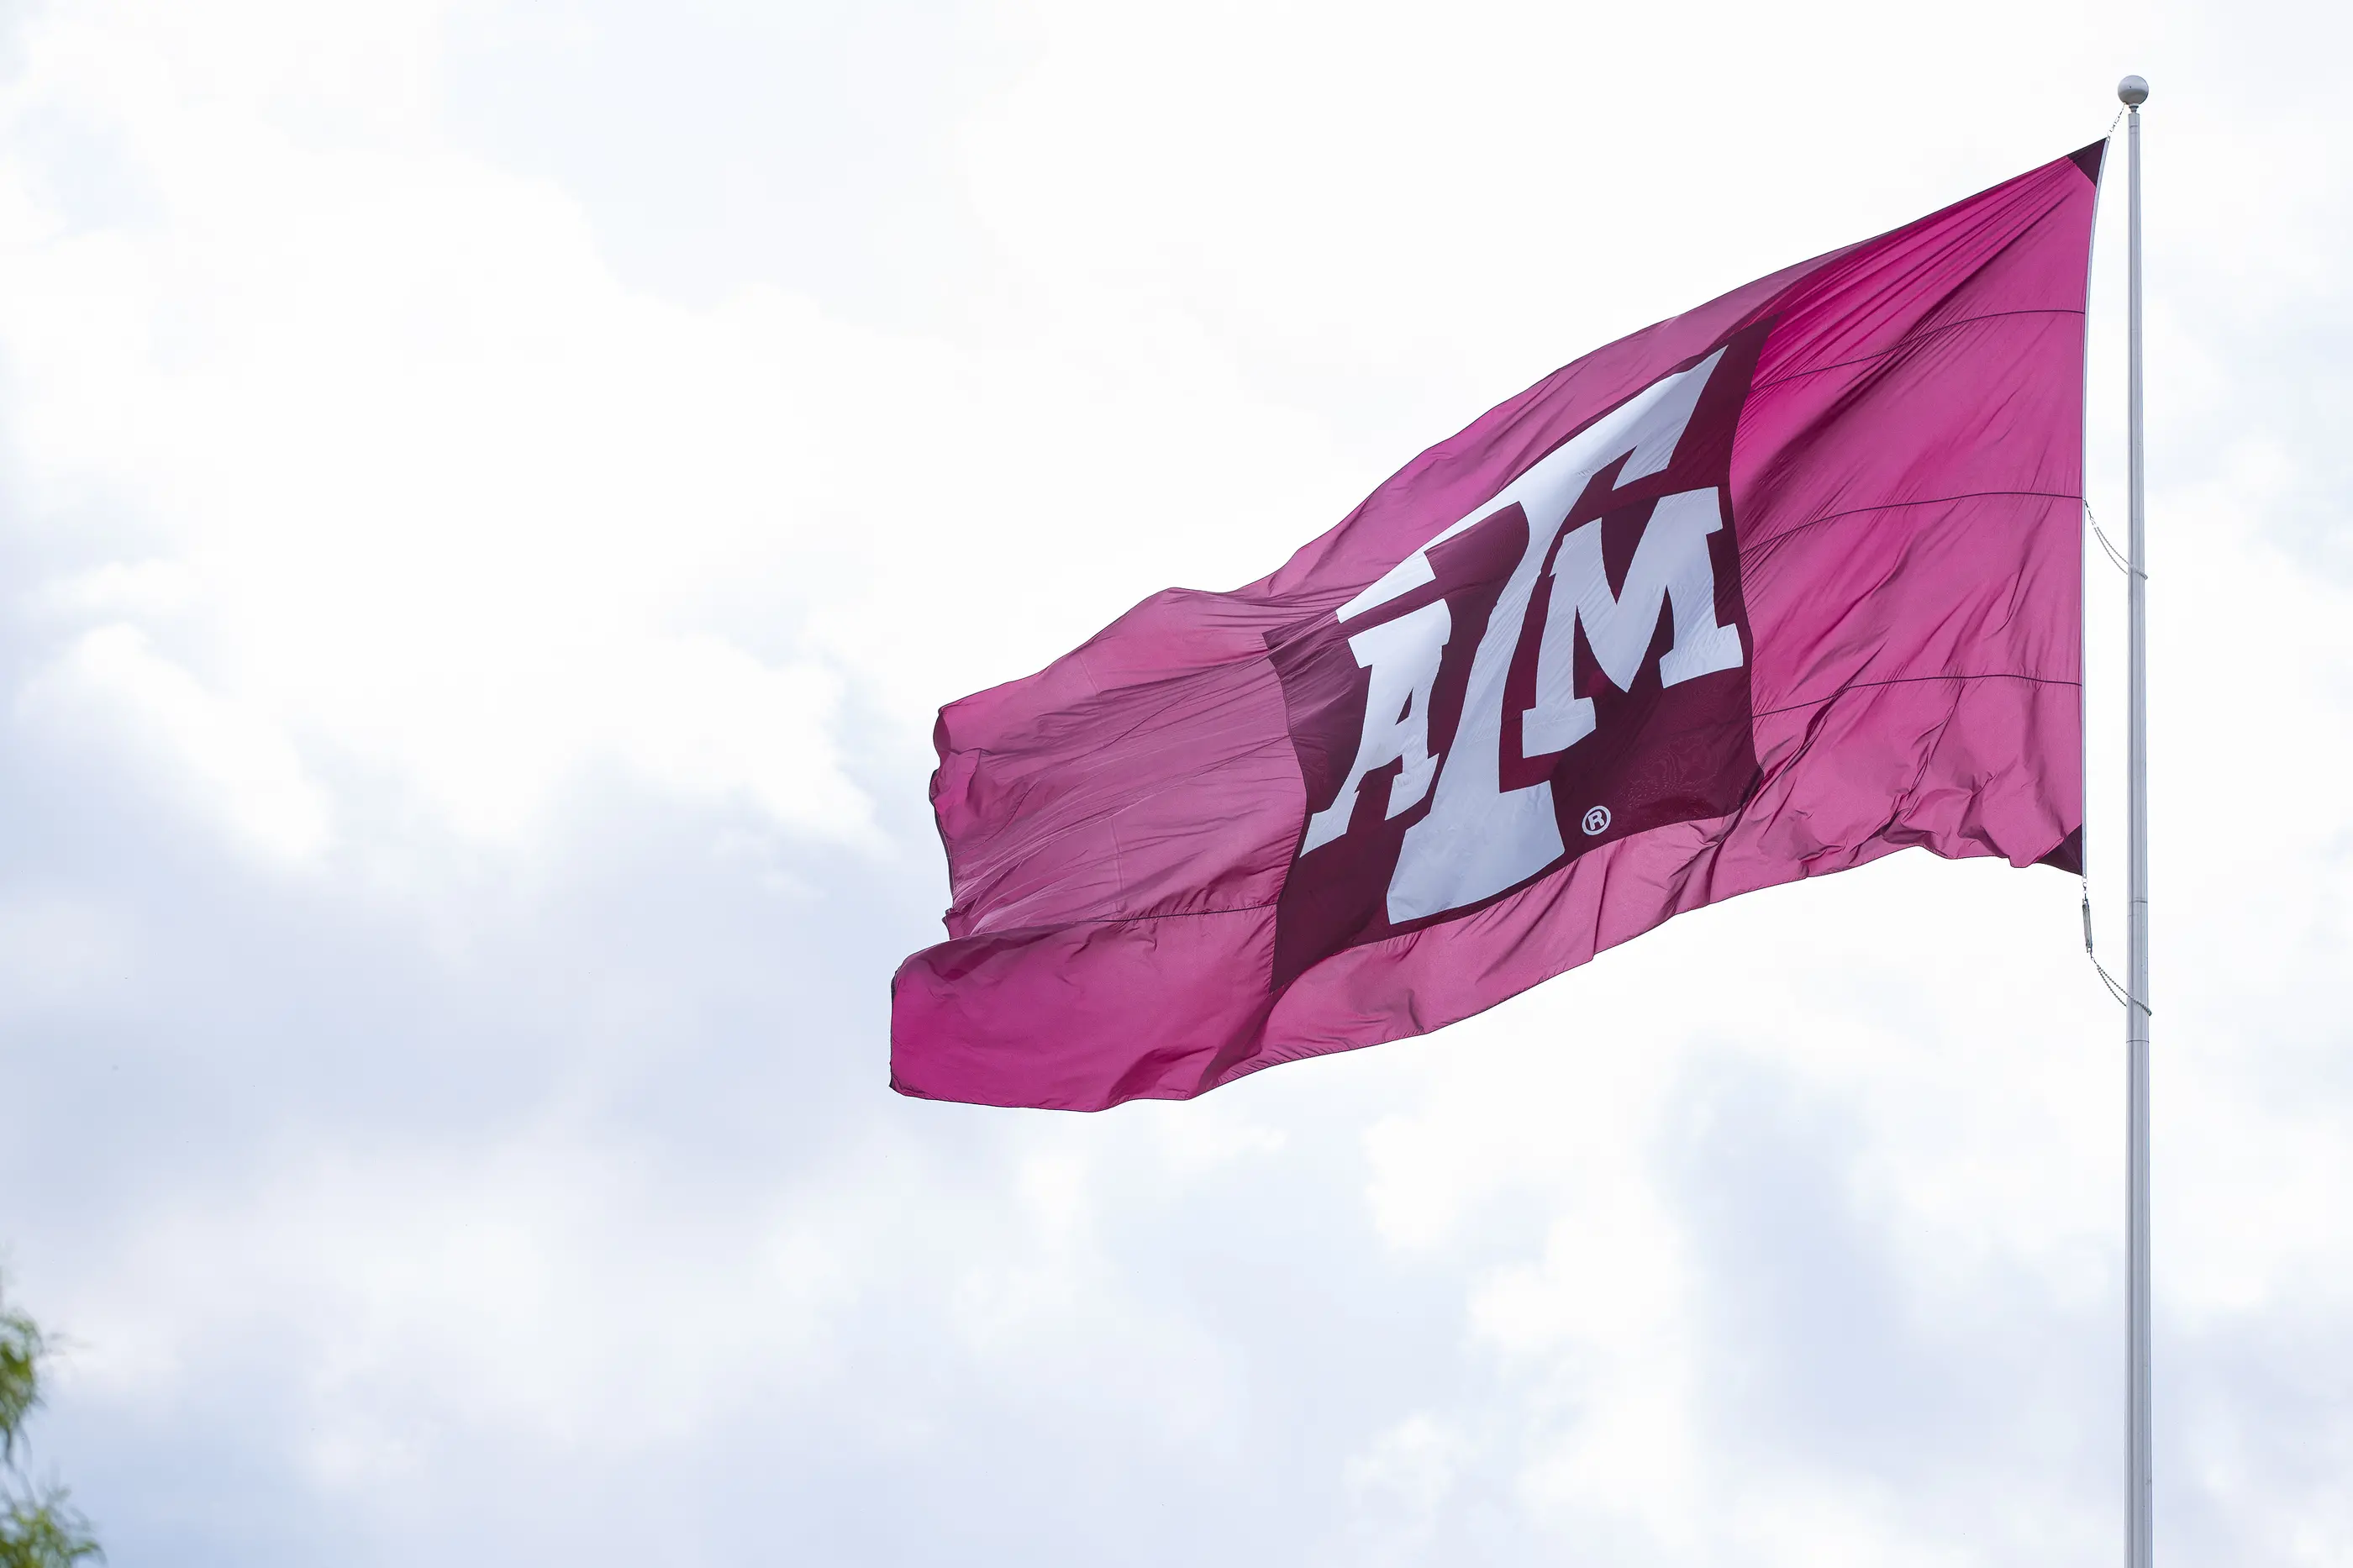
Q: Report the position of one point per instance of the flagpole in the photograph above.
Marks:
(2134, 92)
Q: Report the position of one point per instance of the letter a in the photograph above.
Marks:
(1403, 656)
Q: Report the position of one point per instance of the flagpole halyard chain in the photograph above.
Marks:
(2115, 555)
(2115, 990)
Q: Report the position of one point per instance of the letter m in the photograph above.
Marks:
(1671, 569)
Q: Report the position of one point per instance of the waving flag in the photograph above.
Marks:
(1770, 589)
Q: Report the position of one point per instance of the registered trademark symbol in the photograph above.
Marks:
(1596, 821)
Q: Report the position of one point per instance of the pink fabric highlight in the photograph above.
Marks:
(1905, 490)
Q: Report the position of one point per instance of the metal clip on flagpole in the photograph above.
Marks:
(2134, 92)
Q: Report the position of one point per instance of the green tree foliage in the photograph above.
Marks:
(40, 1527)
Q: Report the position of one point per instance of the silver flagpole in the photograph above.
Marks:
(2134, 91)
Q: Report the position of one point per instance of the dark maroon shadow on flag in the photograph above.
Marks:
(1658, 754)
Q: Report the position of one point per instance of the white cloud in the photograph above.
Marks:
(58, 948)
(437, 490)
(232, 763)
(1399, 1483)
(541, 1288)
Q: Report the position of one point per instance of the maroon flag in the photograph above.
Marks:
(1770, 589)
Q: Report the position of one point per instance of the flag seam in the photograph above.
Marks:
(1758, 546)
(1913, 680)
(1923, 333)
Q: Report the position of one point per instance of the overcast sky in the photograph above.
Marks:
(491, 498)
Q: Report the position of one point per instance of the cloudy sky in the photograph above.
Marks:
(490, 497)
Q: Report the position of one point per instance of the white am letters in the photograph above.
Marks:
(1479, 838)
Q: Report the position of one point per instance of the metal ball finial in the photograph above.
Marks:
(2133, 91)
